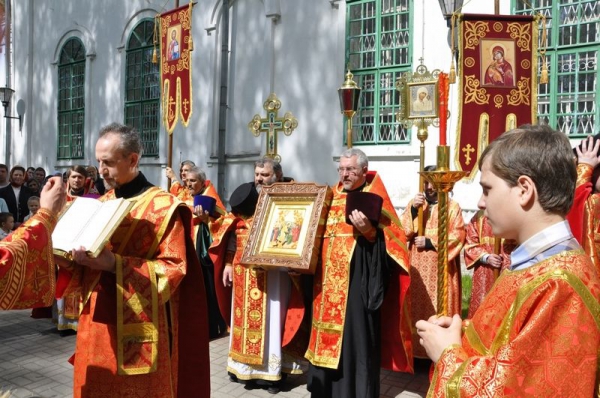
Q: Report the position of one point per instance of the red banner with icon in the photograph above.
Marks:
(498, 81)
(176, 65)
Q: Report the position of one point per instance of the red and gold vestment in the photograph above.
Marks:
(332, 280)
(251, 294)
(142, 331)
(583, 191)
(27, 274)
(424, 265)
(536, 334)
(480, 241)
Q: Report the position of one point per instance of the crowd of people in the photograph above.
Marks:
(172, 278)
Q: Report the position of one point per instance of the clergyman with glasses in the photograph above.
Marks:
(360, 285)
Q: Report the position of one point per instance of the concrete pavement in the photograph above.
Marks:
(33, 363)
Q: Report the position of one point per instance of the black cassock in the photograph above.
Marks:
(357, 374)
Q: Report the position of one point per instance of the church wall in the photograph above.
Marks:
(304, 48)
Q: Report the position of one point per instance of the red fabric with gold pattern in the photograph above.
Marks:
(536, 334)
(495, 95)
(155, 253)
(27, 274)
(332, 283)
(479, 241)
(424, 265)
(583, 190)
(249, 302)
(176, 65)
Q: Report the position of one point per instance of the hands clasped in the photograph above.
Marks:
(437, 333)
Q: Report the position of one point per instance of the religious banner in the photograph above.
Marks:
(176, 65)
(498, 81)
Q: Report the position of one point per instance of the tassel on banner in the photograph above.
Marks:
(544, 76)
(544, 44)
(154, 56)
(191, 44)
(452, 73)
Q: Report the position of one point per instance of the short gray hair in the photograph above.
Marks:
(131, 141)
(198, 172)
(362, 159)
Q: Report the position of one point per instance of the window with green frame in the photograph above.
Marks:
(378, 52)
(71, 101)
(142, 82)
(569, 102)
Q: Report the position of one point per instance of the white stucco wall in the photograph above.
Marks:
(308, 63)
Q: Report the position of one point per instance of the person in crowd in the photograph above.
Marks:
(481, 257)
(205, 225)
(96, 180)
(29, 174)
(27, 255)
(178, 187)
(274, 355)
(141, 303)
(424, 257)
(7, 223)
(78, 183)
(34, 186)
(40, 175)
(360, 321)
(4, 176)
(537, 332)
(16, 194)
(33, 204)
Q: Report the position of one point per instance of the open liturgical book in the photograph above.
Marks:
(89, 223)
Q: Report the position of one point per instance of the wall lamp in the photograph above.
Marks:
(5, 96)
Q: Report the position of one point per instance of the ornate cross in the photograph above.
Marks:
(272, 124)
(468, 150)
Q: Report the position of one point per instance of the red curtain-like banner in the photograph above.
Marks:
(176, 65)
(498, 81)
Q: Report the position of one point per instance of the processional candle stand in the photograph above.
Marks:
(349, 95)
(443, 180)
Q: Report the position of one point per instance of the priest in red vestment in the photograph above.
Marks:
(206, 224)
(424, 257)
(360, 315)
(27, 274)
(480, 257)
(141, 307)
(537, 332)
(179, 188)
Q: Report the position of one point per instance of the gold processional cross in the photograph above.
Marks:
(272, 124)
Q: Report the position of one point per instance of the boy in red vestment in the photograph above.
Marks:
(537, 332)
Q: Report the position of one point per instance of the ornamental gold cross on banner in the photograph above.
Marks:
(272, 124)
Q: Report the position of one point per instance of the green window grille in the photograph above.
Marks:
(142, 82)
(569, 102)
(378, 52)
(71, 100)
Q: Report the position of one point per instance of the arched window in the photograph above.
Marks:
(142, 86)
(71, 101)
(377, 49)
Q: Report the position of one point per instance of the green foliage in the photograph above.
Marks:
(467, 285)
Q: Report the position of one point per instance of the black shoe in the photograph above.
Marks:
(232, 378)
(274, 388)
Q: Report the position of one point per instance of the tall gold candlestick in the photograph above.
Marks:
(443, 180)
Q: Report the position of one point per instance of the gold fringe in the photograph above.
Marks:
(452, 74)
(543, 45)
(191, 43)
(154, 56)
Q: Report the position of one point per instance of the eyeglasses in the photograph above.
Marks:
(350, 170)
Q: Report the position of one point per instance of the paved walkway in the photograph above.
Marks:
(33, 363)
